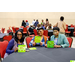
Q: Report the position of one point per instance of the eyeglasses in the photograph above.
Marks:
(19, 34)
(54, 31)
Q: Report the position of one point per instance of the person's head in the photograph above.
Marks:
(19, 36)
(38, 25)
(56, 31)
(23, 21)
(42, 20)
(34, 19)
(31, 25)
(50, 26)
(61, 18)
(40, 31)
(26, 20)
(37, 20)
(46, 19)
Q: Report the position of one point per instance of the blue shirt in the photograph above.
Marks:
(27, 23)
(35, 24)
(43, 41)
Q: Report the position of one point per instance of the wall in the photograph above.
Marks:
(15, 18)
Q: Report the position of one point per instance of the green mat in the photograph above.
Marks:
(33, 48)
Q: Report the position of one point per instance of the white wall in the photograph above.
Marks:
(15, 18)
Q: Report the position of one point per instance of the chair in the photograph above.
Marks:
(31, 35)
(9, 37)
(16, 28)
(3, 46)
(66, 30)
(3, 30)
(28, 39)
(13, 28)
(46, 33)
(35, 32)
(72, 25)
(24, 30)
(74, 31)
(8, 31)
(22, 27)
(27, 26)
(70, 40)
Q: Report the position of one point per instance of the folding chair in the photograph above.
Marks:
(35, 32)
(66, 31)
(9, 37)
(70, 40)
(28, 39)
(3, 30)
(46, 33)
(3, 46)
(13, 28)
(16, 28)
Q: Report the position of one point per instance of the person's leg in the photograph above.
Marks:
(5, 55)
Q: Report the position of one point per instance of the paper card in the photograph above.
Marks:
(50, 44)
(21, 48)
(37, 39)
(33, 48)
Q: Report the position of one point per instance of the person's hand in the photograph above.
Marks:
(45, 45)
(41, 43)
(57, 46)
(16, 49)
(34, 43)
(28, 32)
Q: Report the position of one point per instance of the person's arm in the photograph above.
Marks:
(55, 25)
(43, 43)
(9, 47)
(66, 43)
(64, 25)
(31, 42)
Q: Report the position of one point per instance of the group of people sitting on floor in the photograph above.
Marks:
(60, 40)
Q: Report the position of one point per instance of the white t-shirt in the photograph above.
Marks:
(55, 41)
(33, 22)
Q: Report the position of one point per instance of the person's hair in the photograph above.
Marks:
(16, 39)
(23, 21)
(46, 19)
(38, 25)
(61, 18)
(37, 20)
(56, 28)
(40, 28)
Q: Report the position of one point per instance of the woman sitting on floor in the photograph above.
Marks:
(44, 39)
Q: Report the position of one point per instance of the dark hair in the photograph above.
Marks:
(61, 18)
(56, 28)
(16, 39)
(37, 20)
(40, 28)
(46, 19)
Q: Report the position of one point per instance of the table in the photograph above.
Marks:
(43, 54)
(72, 30)
(2, 35)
